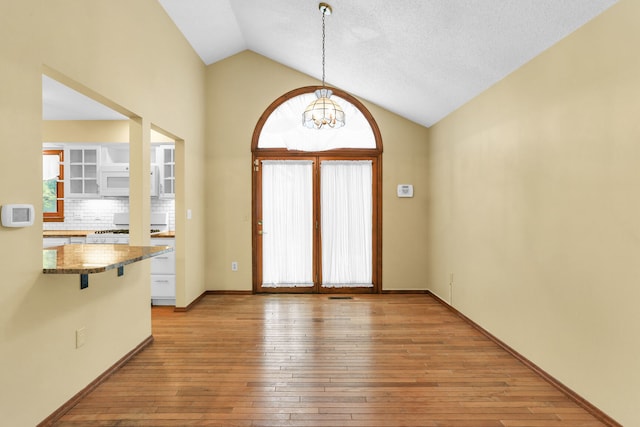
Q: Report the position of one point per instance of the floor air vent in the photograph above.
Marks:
(339, 297)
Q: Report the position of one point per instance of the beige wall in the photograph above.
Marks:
(239, 89)
(85, 131)
(93, 131)
(130, 56)
(527, 195)
(536, 211)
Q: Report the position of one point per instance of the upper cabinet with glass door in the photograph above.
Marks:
(82, 177)
(167, 162)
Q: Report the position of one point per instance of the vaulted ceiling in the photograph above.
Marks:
(421, 59)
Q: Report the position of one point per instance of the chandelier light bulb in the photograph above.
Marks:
(323, 112)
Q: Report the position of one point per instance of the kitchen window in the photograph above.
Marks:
(53, 185)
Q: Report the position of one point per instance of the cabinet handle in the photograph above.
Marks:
(162, 281)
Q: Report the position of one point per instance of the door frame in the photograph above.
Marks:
(257, 228)
(375, 154)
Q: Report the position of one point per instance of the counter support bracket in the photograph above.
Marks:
(121, 271)
(84, 281)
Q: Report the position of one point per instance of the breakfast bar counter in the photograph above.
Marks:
(88, 259)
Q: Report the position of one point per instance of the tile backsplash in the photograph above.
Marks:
(97, 214)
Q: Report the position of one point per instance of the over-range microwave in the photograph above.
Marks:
(114, 179)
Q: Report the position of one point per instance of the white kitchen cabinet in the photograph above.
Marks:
(48, 242)
(167, 163)
(163, 289)
(165, 263)
(97, 170)
(81, 174)
(163, 274)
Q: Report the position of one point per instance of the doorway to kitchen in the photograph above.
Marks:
(90, 154)
(317, 204)
(164, 281)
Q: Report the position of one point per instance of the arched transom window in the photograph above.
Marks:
(280, 127)
(283, 128)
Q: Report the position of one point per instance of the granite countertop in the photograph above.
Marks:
(84, 233)
(165, 234)
(87, 259)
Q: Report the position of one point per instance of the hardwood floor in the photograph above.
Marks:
(308, 360)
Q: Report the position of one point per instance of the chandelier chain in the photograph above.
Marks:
(323, 37)
(323, 112)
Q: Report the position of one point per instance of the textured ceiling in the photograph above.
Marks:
(421, 59)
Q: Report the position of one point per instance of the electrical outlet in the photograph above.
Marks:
(234, 266)
(81, 337)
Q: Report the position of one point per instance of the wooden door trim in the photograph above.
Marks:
(375, 259)
(58, 215)
(259, 154)
(256, 237)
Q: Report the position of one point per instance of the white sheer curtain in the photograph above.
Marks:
(50, 166)
(287, 223)
(346, 204)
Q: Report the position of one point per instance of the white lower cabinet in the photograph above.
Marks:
(163, 287)
(48, 242)
(166, 263)
(163, 274)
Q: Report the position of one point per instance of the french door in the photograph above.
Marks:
(315, 224)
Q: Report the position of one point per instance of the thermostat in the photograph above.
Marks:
(17, 215)
(405, 190)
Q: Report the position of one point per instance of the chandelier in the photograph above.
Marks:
(323, 112)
